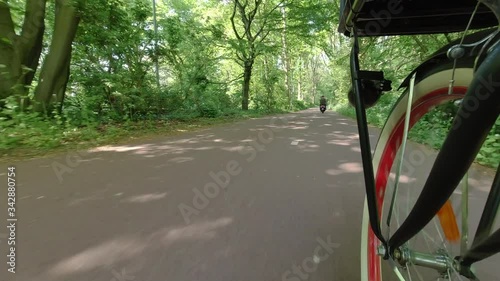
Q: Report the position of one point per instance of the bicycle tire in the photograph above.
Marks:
(430, 90)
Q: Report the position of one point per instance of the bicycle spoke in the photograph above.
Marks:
(408, 272)
(396, 270)
(465, 214)
(398, 273)
(419, 276)
(429, 238)
(439, 233)
(403, 147)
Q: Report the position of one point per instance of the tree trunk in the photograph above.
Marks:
(299, 88)
(31, 39)
(247, 75)
(53, 73)
(22, 50)
(314, 76)
(300, 69)
(60, 86)
(269, 85)
(286, 59)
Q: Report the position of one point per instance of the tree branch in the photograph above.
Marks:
(246, 22)
(264, 36)
(422, 47)
(266, 18)
(236, 2)
(251, 17)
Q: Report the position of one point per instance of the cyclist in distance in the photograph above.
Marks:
(322, 101)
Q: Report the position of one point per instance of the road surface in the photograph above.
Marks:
(263, 199)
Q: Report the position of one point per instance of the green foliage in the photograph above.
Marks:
(490, 152)
(209, 109)
(300, 105)
(28, 129)
(433, 127)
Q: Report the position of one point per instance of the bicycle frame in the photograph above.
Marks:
(469, 130)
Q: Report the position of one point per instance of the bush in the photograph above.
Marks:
(299, 105)
(183, 116)
(231, 112)
(208, 109)
(28, 129)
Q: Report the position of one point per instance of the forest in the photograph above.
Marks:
(88, 72)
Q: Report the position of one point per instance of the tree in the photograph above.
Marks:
(254, 26)
(20, 54)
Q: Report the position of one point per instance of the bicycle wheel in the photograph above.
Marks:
(430, 91)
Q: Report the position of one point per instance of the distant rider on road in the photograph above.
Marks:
(322, 101)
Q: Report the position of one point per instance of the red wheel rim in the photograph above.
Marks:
(419, 109)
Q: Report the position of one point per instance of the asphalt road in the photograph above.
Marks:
(263, 199)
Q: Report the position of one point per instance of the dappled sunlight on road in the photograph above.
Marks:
(349, 167)
(233, 148)
(299, 123)
(117, 148)
(181, 159)
(106, 195)
(356, 149)
(146, 150)
(340, 142)
(344, 139)
(103, 255)
(145, 198)
(296, 139)
(192, 139)
(298, 127)
(85, 199)
(198, 231)
(175, 147)
(308, 148)
(208, 141)
(108, 254)
(318, 117)
(163, 150)
(222, 141)
(344, 135)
